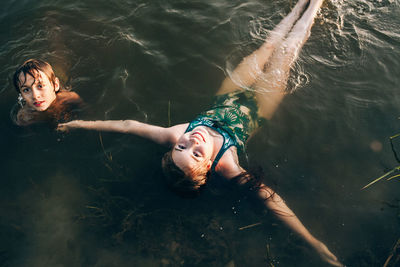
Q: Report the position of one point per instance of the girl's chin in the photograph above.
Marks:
(40, 109)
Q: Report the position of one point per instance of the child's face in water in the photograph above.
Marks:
(194, 150)
(38, 92)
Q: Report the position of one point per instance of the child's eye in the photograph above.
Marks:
(197, 155)
(181, 147)
(40, 85)
(25, 90)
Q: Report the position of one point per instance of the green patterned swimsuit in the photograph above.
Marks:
(234, 116)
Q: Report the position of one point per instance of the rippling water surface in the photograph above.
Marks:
(84, 199)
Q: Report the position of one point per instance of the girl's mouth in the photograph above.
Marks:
(38, 103)
(199, 135)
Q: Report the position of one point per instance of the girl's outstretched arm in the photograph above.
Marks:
(157, 134)
(275, 203)
(229, 168)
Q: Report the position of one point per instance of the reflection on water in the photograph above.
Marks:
(68, 201)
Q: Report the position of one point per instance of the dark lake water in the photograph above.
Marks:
(84, 199)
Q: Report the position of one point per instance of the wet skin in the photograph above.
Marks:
(194, 148)
(38, 92)
(44, 101)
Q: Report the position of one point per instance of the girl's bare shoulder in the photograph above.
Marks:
(228, 166)
(68, 97)
(175, 132)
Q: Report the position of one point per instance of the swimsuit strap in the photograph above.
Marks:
(215, 125)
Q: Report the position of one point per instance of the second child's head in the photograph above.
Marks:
(36, 84)
(188, 165)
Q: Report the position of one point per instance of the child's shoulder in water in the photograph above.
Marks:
(68, 97)
(65, 103)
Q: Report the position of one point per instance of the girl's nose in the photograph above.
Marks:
(35, 94)
(195, 141)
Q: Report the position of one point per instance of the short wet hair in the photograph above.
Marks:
(31, 67)
(184, 184)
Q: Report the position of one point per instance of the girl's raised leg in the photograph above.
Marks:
(270, 87)
(247, 72)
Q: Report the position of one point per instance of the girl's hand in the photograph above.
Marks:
(65, 127)
(325, 254)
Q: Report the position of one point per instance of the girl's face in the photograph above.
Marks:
(194, 149)
(38, 92)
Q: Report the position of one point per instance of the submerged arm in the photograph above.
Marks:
(229, 168)
(157, 134)
(275, 203)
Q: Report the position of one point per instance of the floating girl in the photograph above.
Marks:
(211, 142)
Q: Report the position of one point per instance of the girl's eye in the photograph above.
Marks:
(40, 85)
(25, 90)
(197, 155)
(181, 147)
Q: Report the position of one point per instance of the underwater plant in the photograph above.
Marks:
(394, 257)
(394, 171)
